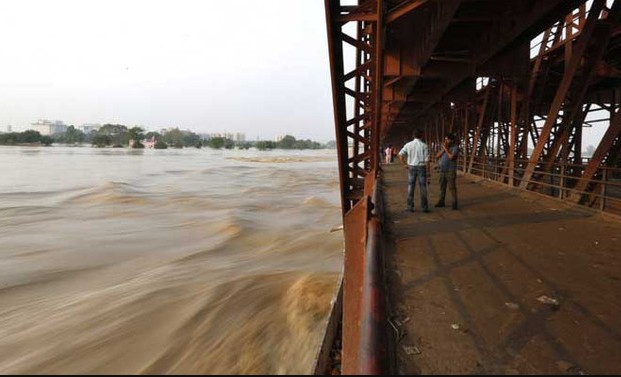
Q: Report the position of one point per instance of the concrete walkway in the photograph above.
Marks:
(468, 287)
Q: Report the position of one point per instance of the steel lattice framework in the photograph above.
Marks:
(518, 81)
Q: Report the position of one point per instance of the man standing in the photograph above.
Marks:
(417, 164)
(448, 169)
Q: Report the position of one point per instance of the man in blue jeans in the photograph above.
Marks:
(448, 169)
(415, 156)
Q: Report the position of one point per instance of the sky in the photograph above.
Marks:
(258, 67)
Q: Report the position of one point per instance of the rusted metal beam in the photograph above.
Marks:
(513, 136)
(338, 94)
(491, 44)
(403, 9)
(561, 93)
(477, 133)
(613, 132)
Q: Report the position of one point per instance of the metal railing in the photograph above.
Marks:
(603, 191)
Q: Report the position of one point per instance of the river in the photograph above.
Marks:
(193, 261)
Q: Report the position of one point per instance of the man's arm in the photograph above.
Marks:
(455, 152)
(440, 152)
(402, 159)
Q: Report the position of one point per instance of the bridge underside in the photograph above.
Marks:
(531, 88)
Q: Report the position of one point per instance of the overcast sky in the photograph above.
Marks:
(259, 67)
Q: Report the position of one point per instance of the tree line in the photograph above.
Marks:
(119, 136)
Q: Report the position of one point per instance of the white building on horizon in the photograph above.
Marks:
(47, 127)
(87, 128)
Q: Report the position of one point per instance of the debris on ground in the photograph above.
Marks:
(336, 229)
(411, 350)
(554, 303)
(399, 333)
(512, 305)
(569, 368)
(457, 326)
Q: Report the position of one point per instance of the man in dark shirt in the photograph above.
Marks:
(448, 169)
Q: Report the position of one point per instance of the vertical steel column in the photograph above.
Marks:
(358, 129)
(513, 137)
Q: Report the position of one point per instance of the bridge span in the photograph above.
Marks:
(526, 86)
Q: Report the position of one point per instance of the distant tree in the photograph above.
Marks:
(46, 140)
(199, 144)
(174, 137)
(215, 142)
(229, 144)
(101, 140)
(29, 136)
(151, 134)
(287, 142)
(160, 145)
(190, 139)
(71, 136)
(136, 134)
(117, 133)
(265, 145)
(331, 144)
(26, 137)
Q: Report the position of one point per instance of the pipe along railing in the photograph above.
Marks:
(365, 338)
(361, 301)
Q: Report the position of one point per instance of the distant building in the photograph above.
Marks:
(48, 128)
(237, 137)
(87, 128)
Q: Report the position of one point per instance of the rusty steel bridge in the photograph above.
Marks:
(525, 84)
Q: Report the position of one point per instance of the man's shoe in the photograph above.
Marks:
(439, 205)
(409, 210)
(455, 206)
(426, 210)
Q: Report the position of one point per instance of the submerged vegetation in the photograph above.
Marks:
(120, 136)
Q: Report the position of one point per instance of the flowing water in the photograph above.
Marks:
(185, 261)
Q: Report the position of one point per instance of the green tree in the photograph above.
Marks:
(229, 144)
(101, 140)
(117, 133)
(160, 145)
(71, 136)
(215, 142)
(287, 142)
(152, 134)
(135, 134)
(173, 137)
(265, 145)
(190, 139)
(46, 140)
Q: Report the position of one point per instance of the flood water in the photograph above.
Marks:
(166, 261)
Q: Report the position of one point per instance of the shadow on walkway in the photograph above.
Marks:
(468, 287)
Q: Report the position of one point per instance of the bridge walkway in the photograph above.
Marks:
(467, 288)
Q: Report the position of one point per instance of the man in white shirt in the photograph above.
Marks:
(415, 156)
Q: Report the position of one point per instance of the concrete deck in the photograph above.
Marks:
(464, 285)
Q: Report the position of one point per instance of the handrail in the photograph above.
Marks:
(365, 328)
(559, 181)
